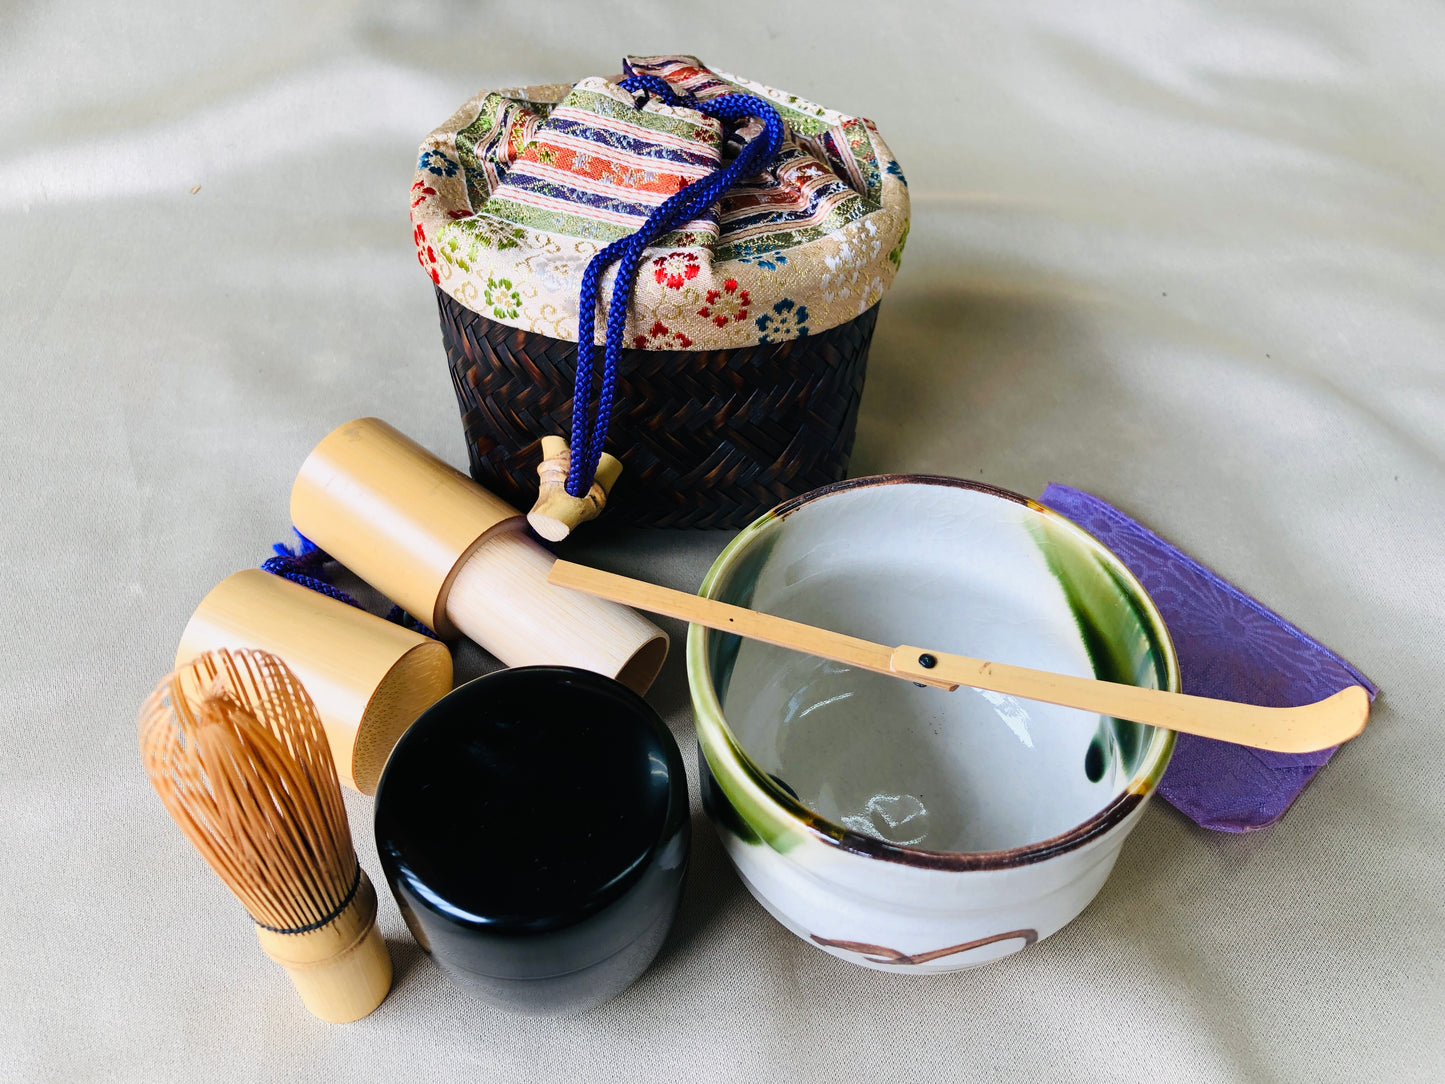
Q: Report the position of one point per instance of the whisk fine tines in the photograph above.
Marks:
(234, 748)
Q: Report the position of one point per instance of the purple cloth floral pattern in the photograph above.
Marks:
(1230, 647)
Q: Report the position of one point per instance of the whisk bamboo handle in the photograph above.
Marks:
(1301, 729)
(342, 970)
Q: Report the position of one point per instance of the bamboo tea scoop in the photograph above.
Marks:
(1282, 730)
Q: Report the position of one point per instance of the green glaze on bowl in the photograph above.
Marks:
(848, 799)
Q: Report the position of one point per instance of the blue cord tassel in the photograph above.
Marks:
(306, 565)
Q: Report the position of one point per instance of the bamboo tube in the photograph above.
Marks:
(368, 678)
(394, 514)
(443, 548)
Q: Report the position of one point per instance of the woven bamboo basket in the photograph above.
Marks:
(760, 232)
(708, 438)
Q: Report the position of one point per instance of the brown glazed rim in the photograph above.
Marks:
(1139, 787)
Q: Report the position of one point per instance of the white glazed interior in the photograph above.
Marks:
(960, 570)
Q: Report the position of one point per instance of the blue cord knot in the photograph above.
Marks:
(589, 428)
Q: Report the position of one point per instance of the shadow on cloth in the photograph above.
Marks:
(1009, 386)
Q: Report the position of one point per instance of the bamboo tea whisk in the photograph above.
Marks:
(234, 747)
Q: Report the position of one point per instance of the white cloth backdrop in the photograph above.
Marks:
(1187, 256)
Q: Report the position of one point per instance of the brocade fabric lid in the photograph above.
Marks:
(520, 188)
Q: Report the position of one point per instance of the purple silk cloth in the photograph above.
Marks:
(1229, 647)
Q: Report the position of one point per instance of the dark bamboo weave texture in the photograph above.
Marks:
(708, 438)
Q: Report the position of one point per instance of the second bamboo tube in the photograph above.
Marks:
(447, 551)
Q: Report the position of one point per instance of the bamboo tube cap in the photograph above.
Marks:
(342, 970)
(369, 678)
(395, 514)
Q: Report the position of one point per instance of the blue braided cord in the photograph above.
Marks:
(655, 85)
(405, 620)
(305, 565)
(589, 431)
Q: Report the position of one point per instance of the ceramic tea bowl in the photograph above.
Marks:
(908, 828)
(533, 825)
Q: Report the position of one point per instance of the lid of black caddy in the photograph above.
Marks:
(524, 803)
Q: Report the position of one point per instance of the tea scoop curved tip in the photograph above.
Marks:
(1304, 729)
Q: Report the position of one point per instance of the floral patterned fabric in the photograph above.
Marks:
(520, 188)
